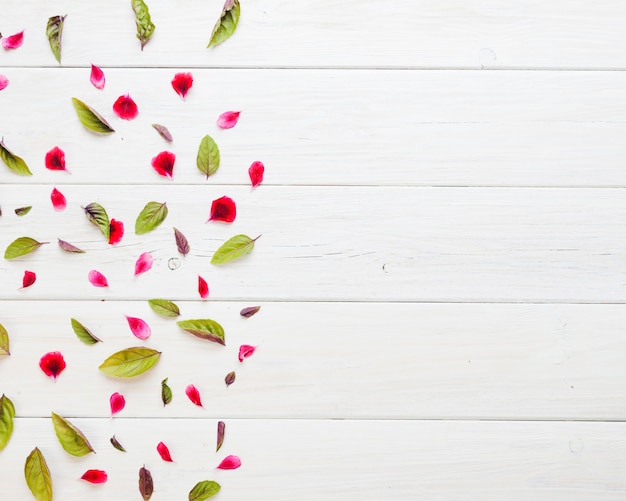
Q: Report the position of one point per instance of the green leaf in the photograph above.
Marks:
(166, 392)
(21, 247)
(115, 443)
(98, 215)
(70, 437)
(164, 307)
(7, 413)
(152, 215)
(13, 162)
(38, 476)
(226, 24)
(4, 341)
(145, 28)
(204, 490)
(130, 362)
(83, 333)
(22, 211)
(90, 118)
(54, 31)
(204, 329)
(233, 248)
(208, 160)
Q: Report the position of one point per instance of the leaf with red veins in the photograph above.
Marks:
(229, 463)
(256, 171)
(58, 200)
(203, 288)
(228, 119)
(29, 279)
(181, 83)
(116, 231)
(223, 209)
(245, 351)
(194, 395)
(139, 327)
(125, 107)
(143, 263)
(95, 476)
(163, 163)
(4, 81)
(55, 159)
(13, 41)
(97, 77)
(117, 402)
(52, 364)
(97, 279)
(164, 452)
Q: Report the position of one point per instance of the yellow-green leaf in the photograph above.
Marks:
(208, 159)
(98, 216)
(204, 329)
(38, 476)
(233, 248)
(4, 341)
(21, 247)
(70, 437)
(166, 392)
(90, 118)
(54, 31)
(83, 333)
(22, 211)
(204, 490)
(151, 216)
(7, 413)
(226, 24)
(145, 27)
(130, 362)
(164, 307)
(13, 162)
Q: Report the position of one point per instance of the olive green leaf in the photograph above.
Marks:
(145, 28)
(38, 476)
(204, 490)
(233, 248)
(83, 333)
(166, 392)
(151, 216)
(146, 485)
(21, 247)
(226, 24)
(164, 307)
(13, 162)
(68, 247)
(115, 443)
(54, 31)
(7, 413)
(90, 118)
(22, 211)
(204, 329)
(130, 362)
(208, 160)
(4, 341)
(98, 216)
(70, 437)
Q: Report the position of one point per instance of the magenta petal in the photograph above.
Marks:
(193, 394)
(58, 200)
(14, 41)
(181, 83)
(125, 108)
(223, 209)
(97, 78)
(139, 327)
(118, 402)
(256, 171)
(228, 119)
(29, 279)
(97, 279)
(164, 452)
(55, 159)
(95, 476)
(163, 163)
(144, 263)
(52, 364)
(203, 288)
(229, 463)
(116, 231)
(245, 351)
(4, 81)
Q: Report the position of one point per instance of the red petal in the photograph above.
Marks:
(223, 209)
(97, 78)
(4, 81)
(181, 83)
(245, 351)
(164, 452)
(29, 279)
(256, 171)
(55, 159)
(143, 264)
(228, 119)
(52, 364)
(95, 476)
(125, 108)
(58, 200)
(229, 463)
(193, 394)
(203, 288)
(116, 231)
(118, 402)
(139, 327)
(163, 163)
(97, 279)
(14, 41)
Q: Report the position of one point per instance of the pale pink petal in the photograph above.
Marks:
(4, 81)
(229, 463)
(14, 41)
(139, 327)
(144, 263)
(58, 200)
(118, 402)
(97, 279)
(228, 119)
(245, 351)
(97, 78)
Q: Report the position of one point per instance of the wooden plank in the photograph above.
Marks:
(332, 360)
(331, 127)
(363, 33)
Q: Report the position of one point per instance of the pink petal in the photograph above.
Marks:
(55, 159)
(58, 200)
(245, 351)
(181, 83)
(144, 263)
(97, 279)
(95, 476)
(229, 463)
(203, 288)
(256, 171)
(97, 78)
(193, 394)
(29, 279)
(228, 119)
(52, 364)
(4, 81)
(125, 108)
(223, 209)
(116, 231)
(164, 452)
(163, 163)
(118, 402)
(14, 41)
(139, 327)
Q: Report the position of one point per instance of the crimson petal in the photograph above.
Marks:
(116, 231)
(52, 364)
(203, 288)
(245, 351)
(163, 163)
(97, 78)
(95, 476)
(29, 279)
(125, 107)
(14, 41)
(228, 119)
(223, 209)
(97, 279)
(144, 263)
(58, 200)
(117, 402)
(4, 81)
(164, 452)
(256, 171)
(229, 463)
(139, 327)
(194, 395)
(55, 159)
(181, 83)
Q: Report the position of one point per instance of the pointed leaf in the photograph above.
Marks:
(204, 490)
(249, 311)
(164, 307)
(13, 162)
(221, 432)
(22, 211)
(115, 443)
(139, 327)
(152, 215)
(125, 108)
(7, 413)
(98, 216)
(193, 394)
(163, 132)
(226, 24)
(145, 28)
(54, 31)
(130, 362)
(208, 159)
(230, 378)
(146, 486)
(30, 277)
(166, 392)
(4, 341)
(52, 364)
(164, 452)
(95, 476)
(228, 119)
(70, 437)
(38, 476)
(204, 329)
(91, 119)
(117, 402)
(68, 247)
(21, 247)
(143, 263)
(234, 248)
(97, 77)
(83, 333)
(229, 463)
(97, 279)
(181, 242)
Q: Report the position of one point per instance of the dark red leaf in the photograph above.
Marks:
(97, 279)
(181, 83)
(95, 476)
(194, 395)
(181, 242)
(256, 171)
(221, 431)
(55, 159)
(13, 41)
(163, 163)
(228, 119)
(58, 200)
(164, 452)
(249, 311)
(116, 231)
(125, 107)
(146, 486)
(229, 463)
(29, 279)
(118, 402)
(52, 364)
(230, 378)
(223, 209)
(163, 132)
(203, 288)
(245, 351)
(97, 78)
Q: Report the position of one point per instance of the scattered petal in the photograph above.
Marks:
(229, 463)
(58, 200)
(115, 443)
(118, 402)
(230, 378)
(256, 171)
(203, 288)
(163, 132)
(97, 77)
(95, 476)
(97, 279)
(194, 395)
(29, 279)
(245, 351)
(144, 263)
(223, 209)
(164, 452)
(163, 163)
(52, 364)
(4, 81)
(181, 83)
(13, 41)
(125, 107)
(116, 231)
(55, 159)
(221, 431)
(181, 242)
(228, 119)
(249, 311)
(139, 327)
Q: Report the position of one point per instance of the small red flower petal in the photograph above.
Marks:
(52, 364)
(116, 231)
(228, 119)
(118, 402)
(181, 83)
(55, 159)
(194, 395)
(203, 288)
(163, 163)
(58, 200)
(29, 279)
(143, 263)
(4, 81)
(97, 279)
(125, 108)
(245, 351)
(139, 327)
(97, 78)
(14, 41)
(95, 476)
(256, 171)
(223, 209)
(229, 463)
(164, 452)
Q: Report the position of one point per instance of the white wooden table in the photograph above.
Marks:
(442, 268)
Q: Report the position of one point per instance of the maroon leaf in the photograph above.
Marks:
(223, 209)
(139, 327)
(164, 452)
(203, 288)
(229, 463)
(117, 402)
(181, 83)
(29, 279)
(116, 231)
(125, 108)
(52, 364)
(97, 78)
(115, 443)
(249, 311)
(256, 171)
(95, 476)
(97, 279)
(68, 247)
(58, 200)
(13, 41)
(55, 159)
(230, 378)
(146, 486)
(228, 119)
(221, 431)
(163, 132)
(181, 242)
(163, 163)
(245, 351)
(143, 263)
(194, 395)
